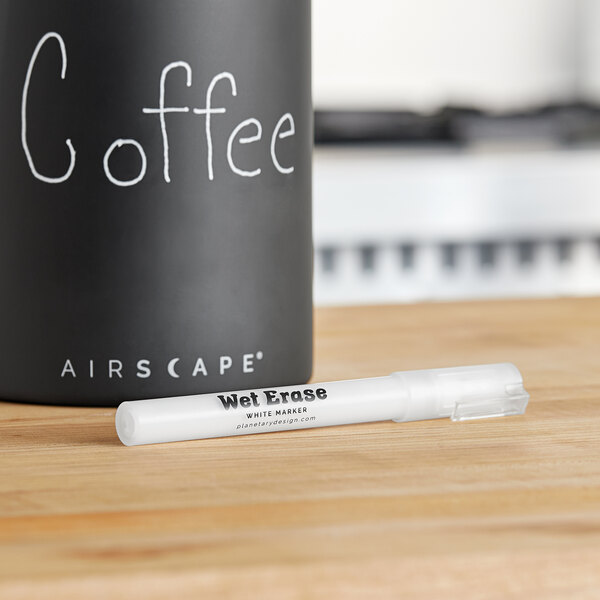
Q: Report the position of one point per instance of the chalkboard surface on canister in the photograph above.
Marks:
(155, 212)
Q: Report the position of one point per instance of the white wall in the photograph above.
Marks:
(423, 54)
(590, 50)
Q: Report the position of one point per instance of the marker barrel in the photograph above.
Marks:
(462, 393)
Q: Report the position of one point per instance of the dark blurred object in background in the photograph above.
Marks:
(568, 124)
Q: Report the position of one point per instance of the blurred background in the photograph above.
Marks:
(457, 149)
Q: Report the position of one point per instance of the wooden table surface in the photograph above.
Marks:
(501, 508)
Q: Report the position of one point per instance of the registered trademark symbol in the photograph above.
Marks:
(259, 356)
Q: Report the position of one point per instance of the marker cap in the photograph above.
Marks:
(464, 393)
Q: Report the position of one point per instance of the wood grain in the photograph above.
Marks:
(506, 508)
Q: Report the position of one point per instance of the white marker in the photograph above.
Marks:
(461, 393)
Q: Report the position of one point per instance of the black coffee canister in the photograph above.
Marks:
(155, 200)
